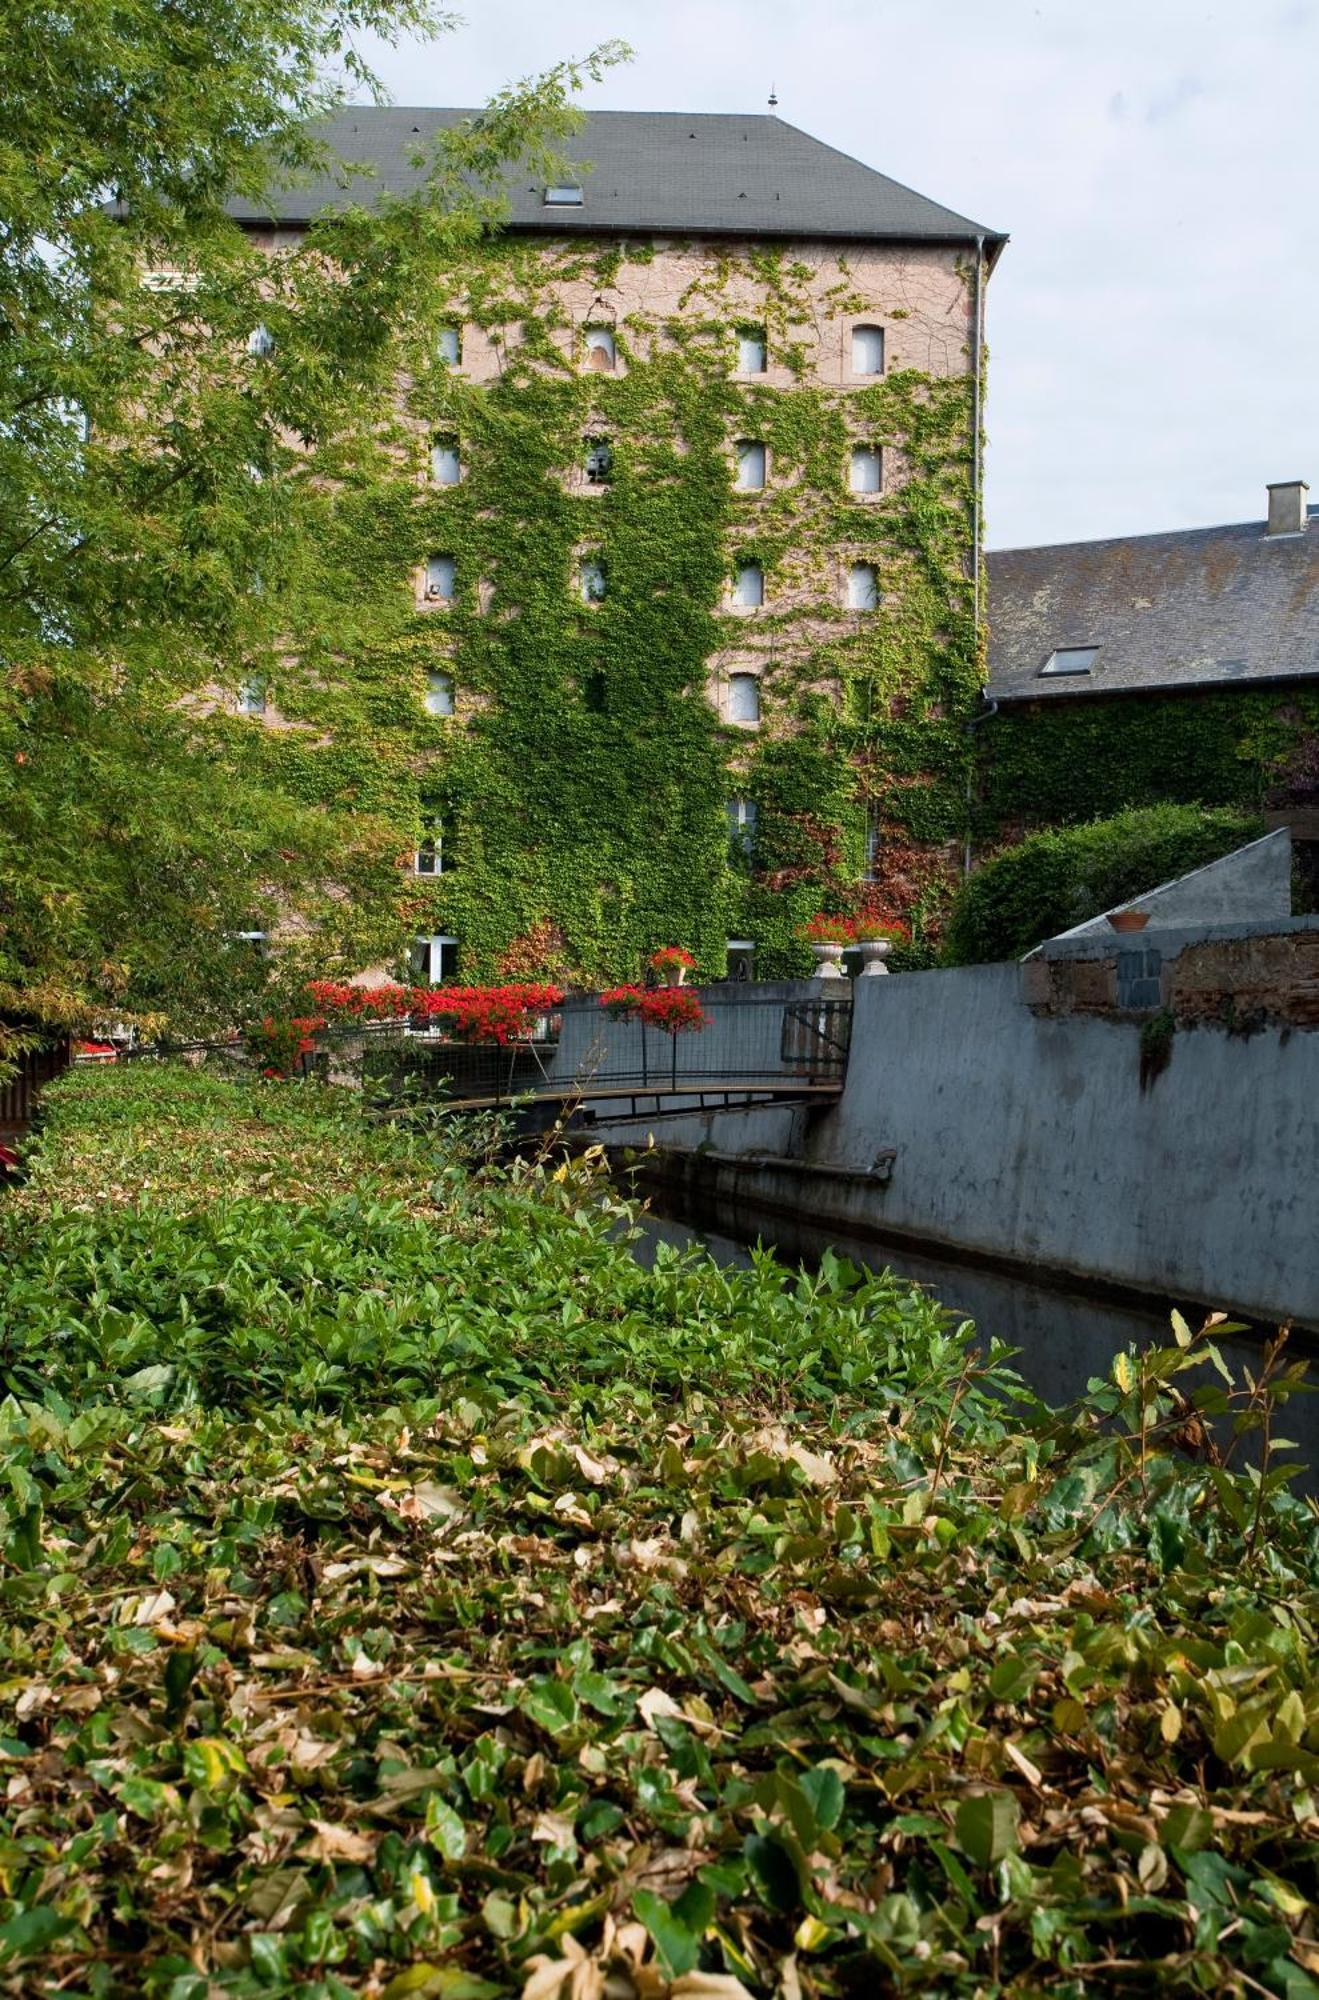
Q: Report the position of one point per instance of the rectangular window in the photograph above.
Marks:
(449, 345)
(750, 458)
(601, 352)
(433, 959)
(741, 960)
(261, 342)
(563, 194)
(867, 350)
(752, 351)
(741, 828)
(252, 697)
(862, 587)
(439, 694)
(441, 576)
(591, 581)
(599, 462)
(749, 585)
(865, 473)
(743, 698)
(1070, 660)
(870, 873)
(446, 462)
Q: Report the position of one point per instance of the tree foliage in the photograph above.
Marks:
(155, 472)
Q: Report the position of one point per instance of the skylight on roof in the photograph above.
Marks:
(564, 195)
(1070, 660)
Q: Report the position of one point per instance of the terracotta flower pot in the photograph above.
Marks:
(1129, 920)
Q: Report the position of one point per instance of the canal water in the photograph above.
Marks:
(1063, 1339)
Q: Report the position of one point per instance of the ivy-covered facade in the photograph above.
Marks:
(658, 602)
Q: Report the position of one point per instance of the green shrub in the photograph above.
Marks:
(1054, 880)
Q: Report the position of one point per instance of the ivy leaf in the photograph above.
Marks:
(677, 1928)
(986, 1827)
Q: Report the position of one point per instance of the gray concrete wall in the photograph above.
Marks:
(1253, 882)
(1031, 1138)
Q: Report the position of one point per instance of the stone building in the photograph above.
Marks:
(1180, 666)
(678, 626)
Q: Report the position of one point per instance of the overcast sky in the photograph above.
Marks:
(1154, 322)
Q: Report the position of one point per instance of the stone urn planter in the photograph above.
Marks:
(673, 975)
(828, 961)
(873, 953)
(1128, 920)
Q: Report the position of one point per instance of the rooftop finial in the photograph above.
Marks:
(773, 96)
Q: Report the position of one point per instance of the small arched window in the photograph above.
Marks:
(601, 351)
(743, 698)
(439, 694)
(446, 461)
(441, 577)
(867, 350)
(749, 585)
(591, 580)
(862, 587)
(865, 471)
(751, 460)
(752, 351)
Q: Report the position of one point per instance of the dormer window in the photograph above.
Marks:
(867, 350)
(862, 587)
(563, 194)
(441, 576)
(591, 580)
(446, 462)
(752, 351)
(749, 586)
(1070, 660)
(439, 694)
(601, 351)
(261, 342)
(599, 466)
(449, 346)
(865, 473)
(750, 458)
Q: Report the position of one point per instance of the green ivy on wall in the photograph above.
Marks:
(585, 776)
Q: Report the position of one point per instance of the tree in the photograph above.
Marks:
(159, 462)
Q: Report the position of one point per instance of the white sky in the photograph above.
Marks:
(1154, 322)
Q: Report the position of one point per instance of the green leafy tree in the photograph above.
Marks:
(174, 403)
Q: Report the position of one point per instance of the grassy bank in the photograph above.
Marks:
(406, 1593)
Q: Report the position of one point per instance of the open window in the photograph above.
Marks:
(1070, 660)
(433, 960)
(432, 856)
(741, 965)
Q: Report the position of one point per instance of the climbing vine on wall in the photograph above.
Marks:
(582, 781)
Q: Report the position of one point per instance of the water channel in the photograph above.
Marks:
(1062, 1338)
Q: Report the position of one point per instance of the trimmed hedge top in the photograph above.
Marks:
(1055, 880)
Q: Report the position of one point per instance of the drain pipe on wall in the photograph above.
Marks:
(977, 524)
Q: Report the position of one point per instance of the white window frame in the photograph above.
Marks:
(432, 950)
(261, 939)
(870, 867)
(862, 586)
(446, 460)
(441, 688)
(431, 848)
(865, 456)
(755, 571)
(743, 815)
(441, 583)
(750, 455)
(737, 683)
(865, 336)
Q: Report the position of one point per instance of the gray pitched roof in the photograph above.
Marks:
(1202, 607)
(687, 173)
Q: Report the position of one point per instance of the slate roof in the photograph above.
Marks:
(1201, 607)
(699, 173)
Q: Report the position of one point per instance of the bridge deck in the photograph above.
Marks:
(779, 1090)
